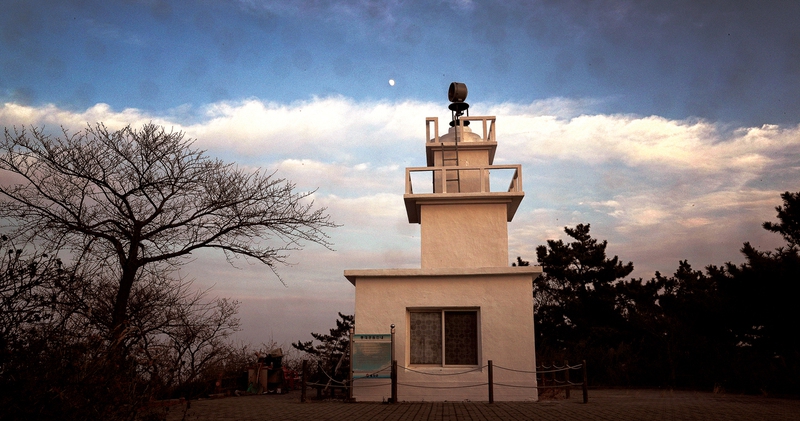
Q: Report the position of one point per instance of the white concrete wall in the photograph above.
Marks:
(506, 337)
(464, 235)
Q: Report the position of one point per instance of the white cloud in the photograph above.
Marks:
(658, 190)
(654, 141)
(333, 128)
(610, 207)
(343, 179)
(53, 117)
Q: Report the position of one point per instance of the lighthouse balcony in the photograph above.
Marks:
(470, 135)
(463, 184)
(486, 122)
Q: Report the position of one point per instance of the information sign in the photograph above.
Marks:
(372, 356)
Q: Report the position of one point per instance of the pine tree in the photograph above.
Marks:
(575, 298)
(332, 354)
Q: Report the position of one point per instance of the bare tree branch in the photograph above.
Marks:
(147, 197)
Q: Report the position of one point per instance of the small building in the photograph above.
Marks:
(465, 305)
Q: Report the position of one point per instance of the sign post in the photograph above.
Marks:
(394, 371)
(350, 375)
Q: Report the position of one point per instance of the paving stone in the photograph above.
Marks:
(603, 405)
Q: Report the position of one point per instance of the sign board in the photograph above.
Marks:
(372, 356)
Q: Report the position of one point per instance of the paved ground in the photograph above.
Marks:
(603, 405)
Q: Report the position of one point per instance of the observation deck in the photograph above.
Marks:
(469, 178)
(469, 141)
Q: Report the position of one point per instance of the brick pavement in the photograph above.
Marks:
(603, 405)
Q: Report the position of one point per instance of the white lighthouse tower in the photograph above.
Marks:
(465, 305)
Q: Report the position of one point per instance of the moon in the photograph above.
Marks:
(391, 82)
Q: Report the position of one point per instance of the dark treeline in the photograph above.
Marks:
(728, 327)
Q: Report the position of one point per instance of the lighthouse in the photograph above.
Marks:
(465, 305)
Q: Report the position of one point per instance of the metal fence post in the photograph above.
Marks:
(303, 382)
(394, 381)
(585, 384)
(491, 383)
(350, 374)
(566, 377)
(543, 387)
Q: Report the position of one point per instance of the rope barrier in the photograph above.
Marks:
(345, 386)
(326, 385)
(517, 386)
(442, 387)
(556, 366)
(329, 376)
(572, 367)
(443, 374)
(542, 383)
(539, 387)
(515, 370)
(449, 387)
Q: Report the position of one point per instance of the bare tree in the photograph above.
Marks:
(198, 338)
(25, 282)
(142, 199)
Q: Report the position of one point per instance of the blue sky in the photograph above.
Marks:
(671, 127)
(734, 61)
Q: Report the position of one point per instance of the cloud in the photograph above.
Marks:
(693, 145)
(333, 127)
(344, 179)
(51, 116)
(658, 189)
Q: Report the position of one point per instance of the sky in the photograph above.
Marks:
(670, 127)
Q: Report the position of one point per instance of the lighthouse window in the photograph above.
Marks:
(443, 337)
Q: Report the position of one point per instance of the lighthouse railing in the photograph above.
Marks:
(487, 123)
(481, 175)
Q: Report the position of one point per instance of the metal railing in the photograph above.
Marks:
(488, 123)
(479, 174)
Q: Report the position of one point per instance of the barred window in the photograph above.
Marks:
(449, 336)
